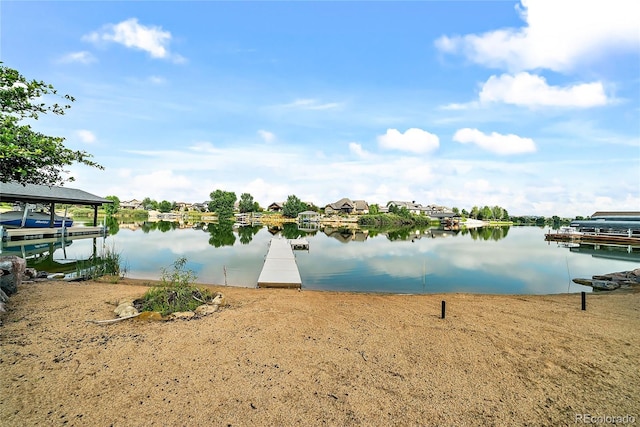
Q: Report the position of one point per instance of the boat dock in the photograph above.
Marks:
(19, 234)
(280, 269)
(619, 238)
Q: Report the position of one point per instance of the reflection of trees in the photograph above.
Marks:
(489, 233)
(165, 226)
(290, 231)
(221, 234)
(247, 232)
(399, 234)
(146, 227)
(112, 225)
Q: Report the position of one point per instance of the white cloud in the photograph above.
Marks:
(495, 142)
(413, 140)
(83, 57)
(267, 136)
(86, 136)
(157, 80)
(529, 90)
(357, 149)
(557, 35)
(311, 104)
(151, 39)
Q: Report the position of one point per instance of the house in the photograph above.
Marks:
(361, 207)
(275, 207)
(342, 206)
(413, 207)
(131, 204)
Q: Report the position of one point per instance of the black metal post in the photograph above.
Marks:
(584, 300)
(444, 304)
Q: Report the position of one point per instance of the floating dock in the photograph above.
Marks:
(280, 269)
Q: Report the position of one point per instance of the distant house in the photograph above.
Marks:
(131, 204)
(342, 206)
(413, 207)
(361, 207)
(275, 207)
(440, 212)
(201, 207)
(434, 211)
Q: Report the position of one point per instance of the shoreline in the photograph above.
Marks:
(285, 357)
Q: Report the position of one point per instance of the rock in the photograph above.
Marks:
(13, 268)
(3, 296)
(584, 282)
(219, 299)
(150, 315)
(55, 276)
(604, 285)
(125, 309)
(42, 275)
(31, 273)
(2, 308)
(205, 309)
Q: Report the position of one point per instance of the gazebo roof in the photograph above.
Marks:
(32, 193)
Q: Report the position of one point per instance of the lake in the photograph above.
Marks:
(502, 260)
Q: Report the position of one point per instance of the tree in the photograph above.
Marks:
(222, 204)
(374, 209)
(247, 204)
(474, 212)
(149, 204)
(293, 206)
(112, 208)
(28, 156)
(164, 206)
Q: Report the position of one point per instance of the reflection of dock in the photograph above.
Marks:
(280, 269)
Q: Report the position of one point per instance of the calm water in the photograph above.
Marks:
(514, 260)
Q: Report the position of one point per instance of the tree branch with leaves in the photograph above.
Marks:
(28, 156)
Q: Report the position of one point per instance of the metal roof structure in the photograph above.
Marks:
(32, 193)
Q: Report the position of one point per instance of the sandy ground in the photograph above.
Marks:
(283, 357)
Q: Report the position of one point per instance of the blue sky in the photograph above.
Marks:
(533, 105)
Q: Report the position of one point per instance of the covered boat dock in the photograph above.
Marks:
(13, 192)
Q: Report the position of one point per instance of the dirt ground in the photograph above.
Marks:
(279, 357)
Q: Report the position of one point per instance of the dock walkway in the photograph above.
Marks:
(280, 269)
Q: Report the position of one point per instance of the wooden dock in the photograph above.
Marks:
(280, 269)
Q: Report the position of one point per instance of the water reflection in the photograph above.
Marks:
(491, 260)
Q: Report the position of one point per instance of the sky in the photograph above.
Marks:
(533, 105)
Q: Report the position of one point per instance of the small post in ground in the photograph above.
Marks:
(444, 305)
(584, 301)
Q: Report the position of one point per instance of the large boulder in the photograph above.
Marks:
(13, 268)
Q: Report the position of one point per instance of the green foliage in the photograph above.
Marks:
(28, 156)
(176, 292)
(112, 208)
(222, 203)
(293, 206)
(109, 264)
(164, 206)
(221, 234)
(393, 220)
(374, 209)
(149, 204)
(247, 204)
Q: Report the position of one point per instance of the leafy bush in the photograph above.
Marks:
(175, 293)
